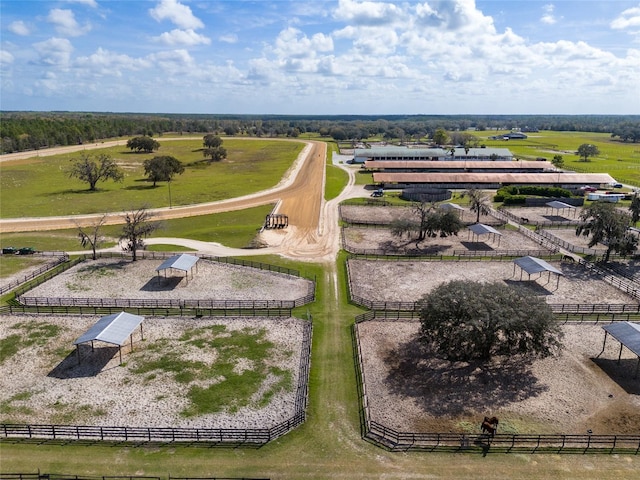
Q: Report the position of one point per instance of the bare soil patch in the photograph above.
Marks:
(43, 382)
(410, 390)
(408, 281)
(118, 278)
(381, 239)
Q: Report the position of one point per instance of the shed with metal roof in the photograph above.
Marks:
(183, 262)
(533, 265)
(628, 334)
(114, 329)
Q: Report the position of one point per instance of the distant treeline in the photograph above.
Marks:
(21, 131)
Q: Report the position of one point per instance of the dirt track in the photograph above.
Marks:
(312, 231)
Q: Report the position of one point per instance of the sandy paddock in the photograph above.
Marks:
(408, 281)
(122, 278)
(43, 383)
(410, 390)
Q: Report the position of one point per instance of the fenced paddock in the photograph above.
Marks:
(399, 439)
(61, 476)
(208, 430)
(220, 283)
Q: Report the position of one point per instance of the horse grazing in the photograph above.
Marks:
(489, 425)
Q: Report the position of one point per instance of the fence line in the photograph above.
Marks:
(566, 245)
(224, 436)
(394, 440)
(61, 258)
(62, 476)
(163, 303)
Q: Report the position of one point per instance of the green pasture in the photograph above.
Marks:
(618, 159)
(336, 180)
(10, 264)
(40, 186)
(233, 229)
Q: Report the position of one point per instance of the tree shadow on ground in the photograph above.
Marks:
(102, 268)
(576, 271)
(140, 187)
(530, 287)
(92, 362)
(442, 387)
(410, 247)
(477, 246)
(622, 374)
(161, 284)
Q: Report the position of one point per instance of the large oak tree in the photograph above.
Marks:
(91, 171)
(464, 320)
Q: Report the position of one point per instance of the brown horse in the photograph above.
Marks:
(489, 425)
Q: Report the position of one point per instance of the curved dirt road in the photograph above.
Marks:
(313, 223)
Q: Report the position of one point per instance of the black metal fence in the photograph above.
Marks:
(255, 437)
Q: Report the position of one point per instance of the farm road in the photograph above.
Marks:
(312, 234)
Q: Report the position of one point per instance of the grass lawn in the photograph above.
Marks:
(39, 186)
(337, 179)
(232, 229)
(10, 264)
(620, 160)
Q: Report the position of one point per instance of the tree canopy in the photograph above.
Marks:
(143, 144)
(162, 169)
(213, 151)
(136, 228)
(464, 320)
(428, 221)
(587, 150)
(607, 225)
(91, 171)
(478, 202)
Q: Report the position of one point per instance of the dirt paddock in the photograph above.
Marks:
(410, 390)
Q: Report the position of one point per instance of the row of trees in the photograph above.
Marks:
(20, 131)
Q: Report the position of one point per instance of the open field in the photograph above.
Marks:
(251, 166)
(618, 159)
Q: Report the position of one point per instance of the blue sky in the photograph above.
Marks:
(321, 57)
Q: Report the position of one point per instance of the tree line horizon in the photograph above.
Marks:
(23, 131)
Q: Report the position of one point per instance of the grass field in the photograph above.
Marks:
(620, 160)
(40, 186)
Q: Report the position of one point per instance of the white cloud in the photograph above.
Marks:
(174, 62)
(548, 17)
(367, 12)
(629, 18)
(230, 38)
(65, 22)
(19, 28)
(6, 58)
(176, 13)
(55, 51)
(104, 62)
(183, 37)
(89, 3)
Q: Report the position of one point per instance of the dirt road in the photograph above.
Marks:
(312, 233)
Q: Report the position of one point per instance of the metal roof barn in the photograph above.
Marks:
(482, 229)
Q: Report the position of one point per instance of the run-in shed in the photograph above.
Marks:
(561, 207)
(478, 229)
(628, 334)
(449, 207)
(532, 265)
(114, 329)
(182, 262)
